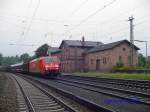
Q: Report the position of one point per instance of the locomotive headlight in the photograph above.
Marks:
(46, 67)
(56, 65)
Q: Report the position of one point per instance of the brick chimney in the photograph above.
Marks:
(83, 41)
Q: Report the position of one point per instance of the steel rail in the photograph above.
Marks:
(81, 100)
(120, 82)
(133, 93)
(69, 108)
(27, 99)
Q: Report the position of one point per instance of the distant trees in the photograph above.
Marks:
(148, 61)
(9, 60)
(143, 62)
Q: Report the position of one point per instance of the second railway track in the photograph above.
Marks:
(116, 92)
(131, 84)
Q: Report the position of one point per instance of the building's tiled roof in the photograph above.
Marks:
(77, 43)
(54, 49)
(109, 46)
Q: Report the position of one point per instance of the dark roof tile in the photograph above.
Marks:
(77, 43)
(110, 46)
(54, 49)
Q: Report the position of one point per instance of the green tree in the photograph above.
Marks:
(142, 60)
(24, 57)
(42, 50)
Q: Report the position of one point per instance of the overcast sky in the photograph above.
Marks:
(34, 22)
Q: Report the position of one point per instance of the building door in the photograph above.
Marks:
(98, 64)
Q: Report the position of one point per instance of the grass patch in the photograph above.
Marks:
(134, 76)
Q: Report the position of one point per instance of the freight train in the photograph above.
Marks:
(43, 66)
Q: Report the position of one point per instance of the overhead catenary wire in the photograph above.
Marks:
(30, 45)
(75, 11)
(126, 28)
(25, 19)
(21, 18)
(78, 8)
(90, 16)
(61, 21)
(137, 24)
(142, 22)
(122, 13)
(33, 19)
(34, 14)
(107, 21)
(113, 18)
(25, 33)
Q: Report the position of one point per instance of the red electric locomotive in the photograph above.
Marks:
(43, 66)
(46, 66)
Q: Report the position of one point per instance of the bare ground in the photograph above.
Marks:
(7, 94)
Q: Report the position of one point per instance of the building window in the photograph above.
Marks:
(92, 61)
(104, 60)
(124, 49)
(129, 60)
(120, 58)
(108, 59)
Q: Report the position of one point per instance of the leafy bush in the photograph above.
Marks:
(119, 64)
(127, 68)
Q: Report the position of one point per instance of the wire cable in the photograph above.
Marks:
(90, 16)
(78, 8)
(30, 45)
(34, 14)
(112, 19)
(142, 22)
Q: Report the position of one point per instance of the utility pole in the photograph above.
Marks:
(146, 52)
(131, 40)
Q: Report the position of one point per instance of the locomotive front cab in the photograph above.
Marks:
(52, 65)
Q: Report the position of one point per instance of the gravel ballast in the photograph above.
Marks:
(99, 98)
(7, 94)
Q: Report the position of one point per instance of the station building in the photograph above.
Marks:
(81, 55)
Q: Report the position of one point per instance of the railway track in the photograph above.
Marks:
(37, 99)
(62, 87)
(131, 84)
(99, 86)
(120, 93)
(93, 106)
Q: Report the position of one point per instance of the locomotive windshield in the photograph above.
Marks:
(51, 59)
